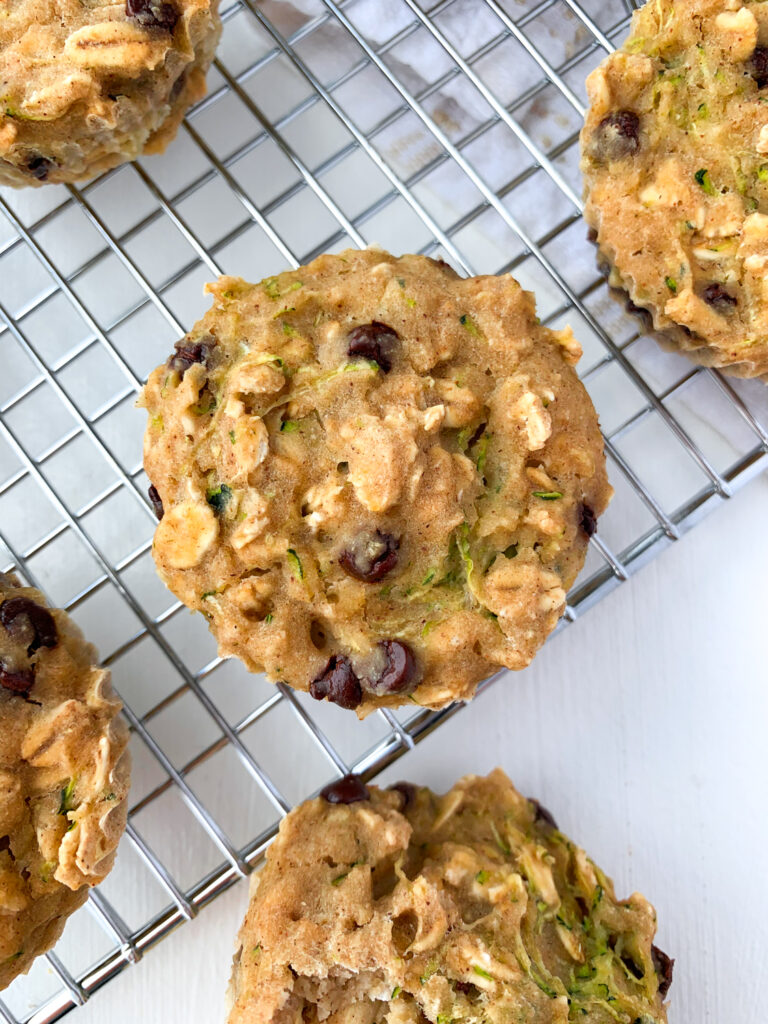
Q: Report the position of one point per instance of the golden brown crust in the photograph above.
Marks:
(408, 908)
(64, 774)
(319, 506)
(86, 87)
(675, 162)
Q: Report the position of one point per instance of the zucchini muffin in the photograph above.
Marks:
(64, 772)
(375, 479)
(675, 162)
(87, 86)
(397, 906)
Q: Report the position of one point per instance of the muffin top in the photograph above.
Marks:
(404, 907)
(376, 478)
(63, 774)
(675, 160)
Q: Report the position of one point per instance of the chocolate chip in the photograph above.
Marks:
(189, 352)
(759, 66)
(406, 791)
(370, 557)
(588, 520)
(157, 501)
(349, 789)
(398, 671)
(338, 683)
(156, 14)
(664, 966)
(626, 123)
(541, 815)
(715, 295)
(618, 136)
(375, 341)
(39, 166)
(26, 621)
(18, 681)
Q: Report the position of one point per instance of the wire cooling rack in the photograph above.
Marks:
(447, 128)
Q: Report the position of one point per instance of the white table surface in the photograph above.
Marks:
(643, 727)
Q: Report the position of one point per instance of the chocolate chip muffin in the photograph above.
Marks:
(64, 772)
(675, 162)
(400, 906)
(375, 479)
(87, 86)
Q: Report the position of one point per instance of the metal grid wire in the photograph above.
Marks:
(448, 128)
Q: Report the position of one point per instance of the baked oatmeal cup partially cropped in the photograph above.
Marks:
(402, 906)
(64, 774)
(89, 85)
(675, 164)
(375, 479)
